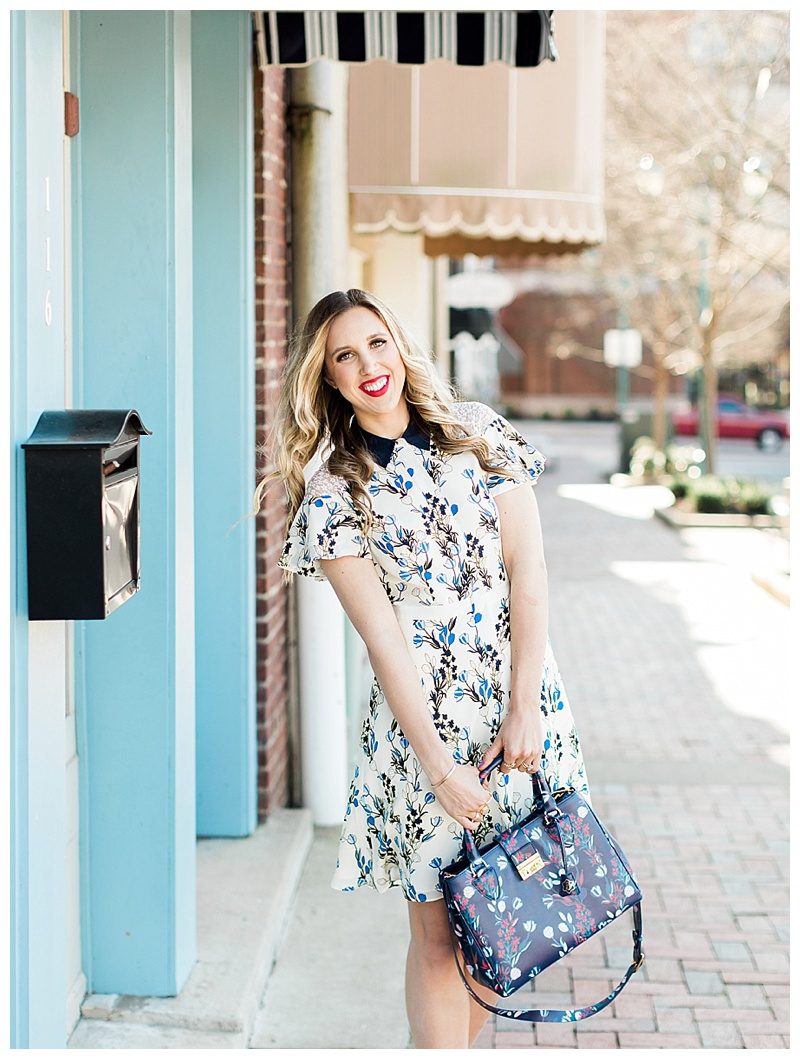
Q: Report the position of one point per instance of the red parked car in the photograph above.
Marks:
(735, 419)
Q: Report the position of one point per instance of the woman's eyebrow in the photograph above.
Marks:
(378, 334)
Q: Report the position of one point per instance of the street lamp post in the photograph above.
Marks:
(623, 380)
(622, 349)
(707, 429)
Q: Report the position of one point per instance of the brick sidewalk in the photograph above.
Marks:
(674, 667)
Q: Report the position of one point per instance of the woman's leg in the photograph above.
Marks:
(441, 1012)
(477, 1015)
(437, 1003)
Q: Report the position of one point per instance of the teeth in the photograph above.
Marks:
(376, 385)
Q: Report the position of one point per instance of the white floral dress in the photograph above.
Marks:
(435, 544)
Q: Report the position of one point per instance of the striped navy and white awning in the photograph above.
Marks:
(466, 38)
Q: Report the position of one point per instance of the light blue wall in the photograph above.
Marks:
(135, 672)
(38, 650)
(224, 435)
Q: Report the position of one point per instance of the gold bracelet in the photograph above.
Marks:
(446, 776)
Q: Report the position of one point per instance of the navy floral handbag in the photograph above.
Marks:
(535, 893)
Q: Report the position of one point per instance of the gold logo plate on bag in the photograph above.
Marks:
(530, 866)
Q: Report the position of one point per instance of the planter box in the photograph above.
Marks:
(622, 480)
(680, 519)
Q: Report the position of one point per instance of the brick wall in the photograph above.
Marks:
(273, 310)
(534, 319)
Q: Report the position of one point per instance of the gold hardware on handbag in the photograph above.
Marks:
(530, 866)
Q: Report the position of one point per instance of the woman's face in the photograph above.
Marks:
(363, 362)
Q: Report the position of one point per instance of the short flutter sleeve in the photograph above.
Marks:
(512, 448)
(326, 526)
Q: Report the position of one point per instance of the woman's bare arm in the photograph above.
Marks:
(521, 734)
(523, 555)
(355, 581)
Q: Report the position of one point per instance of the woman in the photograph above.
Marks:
(437, 559)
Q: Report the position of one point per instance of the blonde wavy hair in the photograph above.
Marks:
(311, 412)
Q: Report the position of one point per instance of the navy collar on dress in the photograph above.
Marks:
(381, 449)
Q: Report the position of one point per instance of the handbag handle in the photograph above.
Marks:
(541, 787)
(559, 1014)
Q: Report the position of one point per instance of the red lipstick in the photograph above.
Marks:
(375, 393)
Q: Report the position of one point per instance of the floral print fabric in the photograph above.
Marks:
(436, 546)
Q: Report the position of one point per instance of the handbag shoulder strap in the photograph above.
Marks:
(568, 1014)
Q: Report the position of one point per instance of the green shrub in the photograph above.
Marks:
(713, 495)
(754, 499)
(569, 413)
(679, 487)
(710, 495)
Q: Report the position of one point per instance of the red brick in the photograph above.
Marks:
(511, 1039)
(597, 1040)
(659, 1040)
(272, 325)
(675, 1019)
(737, 1014)
(555, 1035)
(755, 977)
(719, 1034)
(587, 989)
(598, 1024)
(662, 970)
(764, 1025)
(633, 1006)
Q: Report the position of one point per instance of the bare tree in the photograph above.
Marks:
(696, 196)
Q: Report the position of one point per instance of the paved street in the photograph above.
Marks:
(675, 664)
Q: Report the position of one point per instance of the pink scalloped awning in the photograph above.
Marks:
(494, 160)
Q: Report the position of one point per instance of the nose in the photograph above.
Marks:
(369, 361)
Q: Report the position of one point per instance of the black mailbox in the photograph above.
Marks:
(82, 486)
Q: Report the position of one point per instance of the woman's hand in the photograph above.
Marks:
(463, 797)
(520, 740)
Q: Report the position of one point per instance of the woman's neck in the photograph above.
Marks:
(390, 425)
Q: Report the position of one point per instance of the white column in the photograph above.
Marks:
(320, 237)
(323, 706)
(441, 316)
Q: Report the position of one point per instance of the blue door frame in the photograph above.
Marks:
(163, 320)
(38, 650)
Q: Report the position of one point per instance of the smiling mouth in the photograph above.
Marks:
(375, 387)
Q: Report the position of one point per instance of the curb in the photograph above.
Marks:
(778, 589)
(691, 519)
(246, 889)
